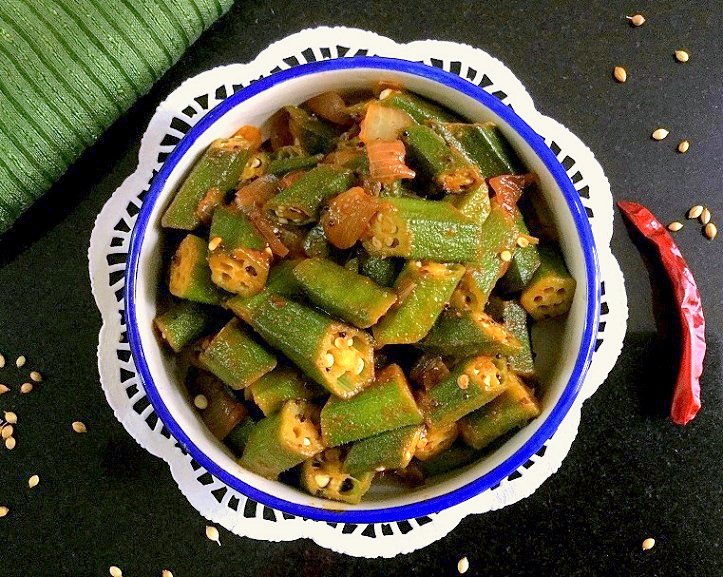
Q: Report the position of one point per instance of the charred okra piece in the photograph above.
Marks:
(382, 452)
(423, 289)
(238, 257)
(514, 317)
(435, 440)
(236, 440)
(431, 157)
(337, 356)
(498, 238)
(481, 144)
(219, 167)
(313, 134)
(551, 290)
(343, 293)
(462, 334)
(283, 440)
(184, 322)
(282, 384)
(236, 358)
(524, 263)
(300, 202)
(420, 229)
(512, 409)
(382, 271)
(223, 411)
(386, 405)
(473, 382)
(458, 455)
(190, 276)
(324, 476)
(418, 108)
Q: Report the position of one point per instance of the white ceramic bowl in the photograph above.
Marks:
(564, 349)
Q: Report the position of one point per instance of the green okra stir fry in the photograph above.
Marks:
(351, 290)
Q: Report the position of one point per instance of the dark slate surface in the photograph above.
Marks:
(630, 474)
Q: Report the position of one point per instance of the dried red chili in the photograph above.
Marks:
(686, 394)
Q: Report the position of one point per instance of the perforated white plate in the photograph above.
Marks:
(109, 248)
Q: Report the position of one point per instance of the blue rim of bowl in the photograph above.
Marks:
(489, 479)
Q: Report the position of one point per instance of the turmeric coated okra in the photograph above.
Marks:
(381, 280)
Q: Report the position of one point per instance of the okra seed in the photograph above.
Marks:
(683, 146)
(522, 242)
(7, 431)
(463, 565)
(463, 381)
(695, 211)
(660, 134)
(307, 441)
(10, 443)
(705, 216)
(20, 361)
(4, 389)
(389, 241)
(711, 231)
(376, 243)
(620, 74)
(506, 256)
(322, 480)
(380, 217)
(200, 402)
(380, 469)
(283, 220)
(256, 162)
(79, 427)
(350, 342)
(359, 366)
(4, 511)
(329, 360)
(675, 226)
(637, 20)
(115, 571)
(212, 534)
(385, 93)
(26, 388)
(339, 342)
(682, 56)
(2, 361)
(214, 243)
(33, 481)
(11, 417)
(648, 544)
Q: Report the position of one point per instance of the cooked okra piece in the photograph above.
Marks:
(461, 334)
(281, 165)
(458, 455)
(219, 167)
(481, 144)
(313, 134)
(415, 228)
(385, 451)
(497, 245)
(473, 382)
(431, 157)
(300, 202)
(184, 322)
(283, 440)
(512, 409)
(343, 293)
(435, 440)
(418, 108)
(524, 263)
(272, 390)
(337, 356)
(282, 280)
(551, 290)
(324, 476)
(235, 357)
(386, 405)
(236, 440)
(235, 230)
(382, 271)
(514, 317)
(190, 275)
(315, 243)
(423, 289)
(223, 411)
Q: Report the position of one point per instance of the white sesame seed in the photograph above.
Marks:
(648, 544)
(79, 427)
(36, 376)
(115, 571)
(7, 431)
(166, 573)
(26, 388)
(659, 134)
(20, 361)
(33, 481)
(10, 443)
(463, 565)
(11, 417)
(2, 361)
(212, 534)
(683, 146)
(4, 511)
(200, 402)
(682, 56)
(675, 226)
(4, 389)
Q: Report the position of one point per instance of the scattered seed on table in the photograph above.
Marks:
(637, 20)
(463, 565)
(695, 211)
(683, 146)
(10, 443)
(200, 402)
(26, 388)
(212, 534)
(115, 571)
(166, 573)
(33, 481)
(620, 74)
(79, 427)
(4, 511)
(648, 544)
(4, 389)
(36, 376)
(7, 432)
(2, 361)
(675, 226)
(705, 216)
(682, 56)
(11, 417)
(710, 230)
(20, 361)
(659, 134)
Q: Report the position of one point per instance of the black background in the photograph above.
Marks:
(630, 474)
